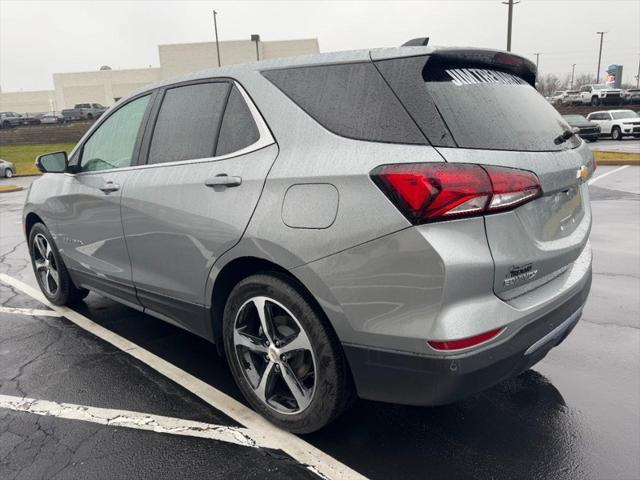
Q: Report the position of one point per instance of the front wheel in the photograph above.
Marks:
(51, 273)
(285, 359)
(616, 133)
(595, 101)
(8, 173)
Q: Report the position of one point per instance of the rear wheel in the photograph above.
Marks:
(286, 361)
(616, 133)
(8, 173)
(51, 273)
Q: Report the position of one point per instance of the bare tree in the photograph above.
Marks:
(582, 79)
(547, 84)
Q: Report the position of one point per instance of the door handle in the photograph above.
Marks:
(223, 180)
(110, 187)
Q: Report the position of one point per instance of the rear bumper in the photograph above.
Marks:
(420, 380)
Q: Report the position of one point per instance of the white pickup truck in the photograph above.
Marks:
(600, 94)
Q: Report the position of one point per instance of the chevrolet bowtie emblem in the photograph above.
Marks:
(583, 173)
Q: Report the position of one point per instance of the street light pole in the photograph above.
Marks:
(573, 71)
(215, 26)
(537, 54)
(638, 76)
(599, 55)
(510, 3)
(256, 38)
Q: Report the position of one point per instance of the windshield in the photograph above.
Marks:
(494, 109)
(625, 114)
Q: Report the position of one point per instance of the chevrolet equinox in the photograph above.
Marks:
(405, 225)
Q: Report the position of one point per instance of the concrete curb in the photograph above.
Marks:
(10, 188)
(604, 157)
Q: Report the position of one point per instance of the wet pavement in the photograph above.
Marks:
(574, 415)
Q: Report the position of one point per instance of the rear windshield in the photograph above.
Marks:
(489, 108)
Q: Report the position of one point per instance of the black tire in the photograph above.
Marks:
(333, 387)
(616, 133)
(8, 173)
(6, 124)
(595, 101)
(66, 292)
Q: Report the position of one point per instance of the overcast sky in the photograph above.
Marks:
(39, 38)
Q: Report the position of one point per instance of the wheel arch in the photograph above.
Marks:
(29, 221)
(242, 267)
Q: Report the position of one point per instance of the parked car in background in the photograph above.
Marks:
(600, 94)
(571, 97)
(51, 117)
(617, 123)
(13, 119)
(631, 95)
(557, 97)
(84, 111)
(340, 226)
(7, 169)
(586, 130)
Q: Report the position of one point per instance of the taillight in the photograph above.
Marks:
(426, 192)
(464, 342)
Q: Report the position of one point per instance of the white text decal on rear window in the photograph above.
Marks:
(469, 76)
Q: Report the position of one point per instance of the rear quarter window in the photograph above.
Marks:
(238, 129)
(351, 100)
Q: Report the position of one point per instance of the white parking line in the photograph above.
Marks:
(127, 419)
(595, 179)
(258, 429)
(30, 311)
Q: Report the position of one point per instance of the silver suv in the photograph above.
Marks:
(380, 224)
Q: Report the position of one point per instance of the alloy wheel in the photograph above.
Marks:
(45, 264)
(275, 355)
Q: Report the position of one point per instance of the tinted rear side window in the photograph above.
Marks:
(238, 128)
(351, 100)
(188, 122)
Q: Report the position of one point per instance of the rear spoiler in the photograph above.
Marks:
(477, 58)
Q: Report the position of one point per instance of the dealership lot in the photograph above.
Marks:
(574, 415)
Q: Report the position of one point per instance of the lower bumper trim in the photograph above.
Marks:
(411, 379)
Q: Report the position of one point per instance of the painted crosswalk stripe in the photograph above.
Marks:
(128, 419)
(30, 311)
(259, 429)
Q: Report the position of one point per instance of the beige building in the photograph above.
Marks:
(107, 86)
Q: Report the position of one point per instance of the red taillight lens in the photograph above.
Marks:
(433, 191)
(464, 342)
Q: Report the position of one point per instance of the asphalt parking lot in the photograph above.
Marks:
(152, 401)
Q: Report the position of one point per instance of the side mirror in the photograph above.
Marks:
(56, 162)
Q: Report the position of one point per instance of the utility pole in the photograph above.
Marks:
(638, 76)
(537, 54)
(215, 26)
(510, 3)
(573, 71)
(599, 55)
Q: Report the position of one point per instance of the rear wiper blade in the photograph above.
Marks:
(566, 135)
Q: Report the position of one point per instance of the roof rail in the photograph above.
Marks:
(417, 42)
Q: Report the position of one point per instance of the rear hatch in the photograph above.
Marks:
(479, 107)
